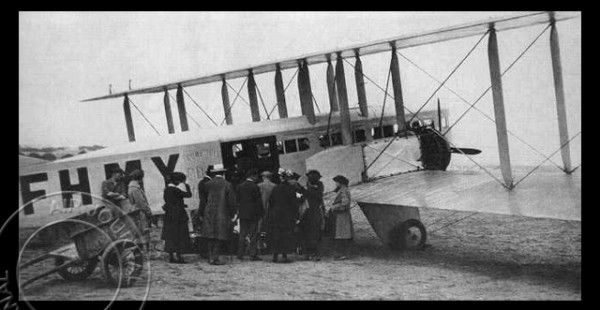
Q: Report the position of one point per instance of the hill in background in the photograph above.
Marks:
(54, 153)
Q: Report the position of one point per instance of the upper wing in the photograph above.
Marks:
(404, 41)
(543, 194)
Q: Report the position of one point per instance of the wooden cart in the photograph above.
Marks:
(106, 241)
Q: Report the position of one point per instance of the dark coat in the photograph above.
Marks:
(201, 190)
(196, 214)
(283, 214)
(249, 201)
(218, 209)
(175, 230)
(312, 221)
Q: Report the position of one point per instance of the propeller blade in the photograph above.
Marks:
(465, 151)
(439, 116)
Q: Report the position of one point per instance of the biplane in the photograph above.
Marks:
(396, 159)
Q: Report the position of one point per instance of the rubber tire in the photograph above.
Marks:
(398, 235)
(90, 266)
(109, 259)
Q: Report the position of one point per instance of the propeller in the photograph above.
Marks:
(465, 151)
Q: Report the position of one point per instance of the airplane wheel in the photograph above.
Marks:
(409, 235)
(131, 263)
(77, 271)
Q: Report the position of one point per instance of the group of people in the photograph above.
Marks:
(290, 215)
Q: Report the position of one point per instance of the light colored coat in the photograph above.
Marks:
(341, 213)
(137, 197)
(138, 201)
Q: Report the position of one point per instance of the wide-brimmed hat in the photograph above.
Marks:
(218, 168)
(314, 172)
(341, 179)
(266, 173)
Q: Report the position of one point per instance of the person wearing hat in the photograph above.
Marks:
(113, 189)
(250, 210)
(343, 231)
(175, 229)
(312, 219)
(197, 217)
(266, 187)
(138, 200)
(218, 213)
(284, 215)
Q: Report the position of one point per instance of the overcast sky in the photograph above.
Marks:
(65, 57)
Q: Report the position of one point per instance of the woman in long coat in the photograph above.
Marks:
(284, 206)
(138, 200)
(343, 229)
(175, 230)
(311, 221)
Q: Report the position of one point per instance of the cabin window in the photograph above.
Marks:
(359, 135)
(263, 150)
(290, 146)
(324, 141)
(336, 138)
(378, 133)
(303, 144)
(237, 150)
(388, 131)
(280, 147)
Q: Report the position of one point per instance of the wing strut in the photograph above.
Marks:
(168, 113)
(181, 108)
(561, 109)
(128, 119)
(498, 99)
(304, 89)
(226, 105)
(340, 79)
(280, 92)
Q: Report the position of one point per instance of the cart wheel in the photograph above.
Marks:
(77, 271)
(131, 263)
(409, 235)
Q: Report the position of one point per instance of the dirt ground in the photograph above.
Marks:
(483, 257)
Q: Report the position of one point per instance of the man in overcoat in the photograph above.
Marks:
(250, 212)
(202, 246)
(284, 215)
(218, 211)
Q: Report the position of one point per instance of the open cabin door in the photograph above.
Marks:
(260, 153)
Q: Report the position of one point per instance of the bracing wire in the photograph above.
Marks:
(144, 116)
(199, 107)
(188, 114)
(234, 99)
